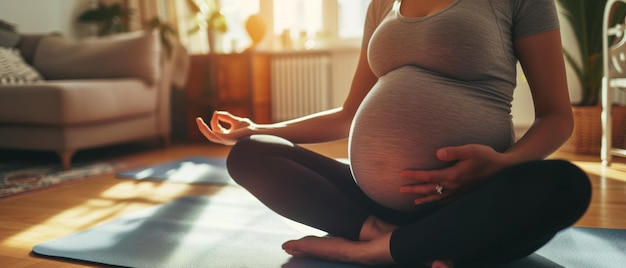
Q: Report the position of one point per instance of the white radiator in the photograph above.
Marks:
(300, 84)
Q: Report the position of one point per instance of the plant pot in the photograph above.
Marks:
(587, 135)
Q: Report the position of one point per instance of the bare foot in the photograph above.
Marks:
(374, 227)
(328, 248)
(373, 252)
(442, 264)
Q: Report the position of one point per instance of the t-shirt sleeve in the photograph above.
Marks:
(376, 12)
(534, 16)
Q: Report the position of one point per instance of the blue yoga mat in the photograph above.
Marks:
(191, 231)
(192, 170)
(227, 231)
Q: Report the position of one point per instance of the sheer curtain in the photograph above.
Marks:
(145, 10)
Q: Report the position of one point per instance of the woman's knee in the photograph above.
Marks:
(575, 184)
(563, 183)
(569, 178)
(247, 155)
(254, 146)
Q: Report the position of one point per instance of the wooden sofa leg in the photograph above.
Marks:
(66, 159)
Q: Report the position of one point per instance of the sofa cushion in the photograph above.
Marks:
(13, 69)
(135, 54)
(74, 102)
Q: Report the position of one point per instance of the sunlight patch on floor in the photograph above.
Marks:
(616, 171)
(121, 198)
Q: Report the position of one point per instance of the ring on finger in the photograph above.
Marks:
(439, 189)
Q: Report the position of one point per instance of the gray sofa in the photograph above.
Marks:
(95, 92)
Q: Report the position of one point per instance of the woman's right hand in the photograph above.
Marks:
(225, 128)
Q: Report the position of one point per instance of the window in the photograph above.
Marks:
(320, 19)
(236, 13)
(297, 16)
(351, 17)
(315, 21)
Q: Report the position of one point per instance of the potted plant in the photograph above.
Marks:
(207, 16)
(586, 20)
(109, 19)
(114, 18)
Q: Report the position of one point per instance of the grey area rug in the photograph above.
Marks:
(16, 178)
(227, 231)
(22, 171)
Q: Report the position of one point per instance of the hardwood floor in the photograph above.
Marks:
(31, 218)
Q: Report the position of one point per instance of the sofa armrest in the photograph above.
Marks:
(134, 54)
(28, 45)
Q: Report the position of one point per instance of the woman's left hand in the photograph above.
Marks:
(472, 165)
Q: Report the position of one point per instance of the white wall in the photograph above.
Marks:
(43, 16)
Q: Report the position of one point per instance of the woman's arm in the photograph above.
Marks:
(541, 58)
(324, 126)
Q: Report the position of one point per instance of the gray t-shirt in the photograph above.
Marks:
(444, 80)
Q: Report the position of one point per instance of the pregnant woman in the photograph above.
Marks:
(435, 175)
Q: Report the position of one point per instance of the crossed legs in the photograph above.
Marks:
(511, 216)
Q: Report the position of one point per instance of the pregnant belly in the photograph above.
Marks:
(401, 124)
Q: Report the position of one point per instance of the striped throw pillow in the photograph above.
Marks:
(13, 69)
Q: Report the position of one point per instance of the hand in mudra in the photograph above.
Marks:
(472, 165)
(225, 128)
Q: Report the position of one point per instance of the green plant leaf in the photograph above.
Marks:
(110, 19)
(206, 14)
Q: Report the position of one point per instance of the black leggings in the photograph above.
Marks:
(509, 217)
